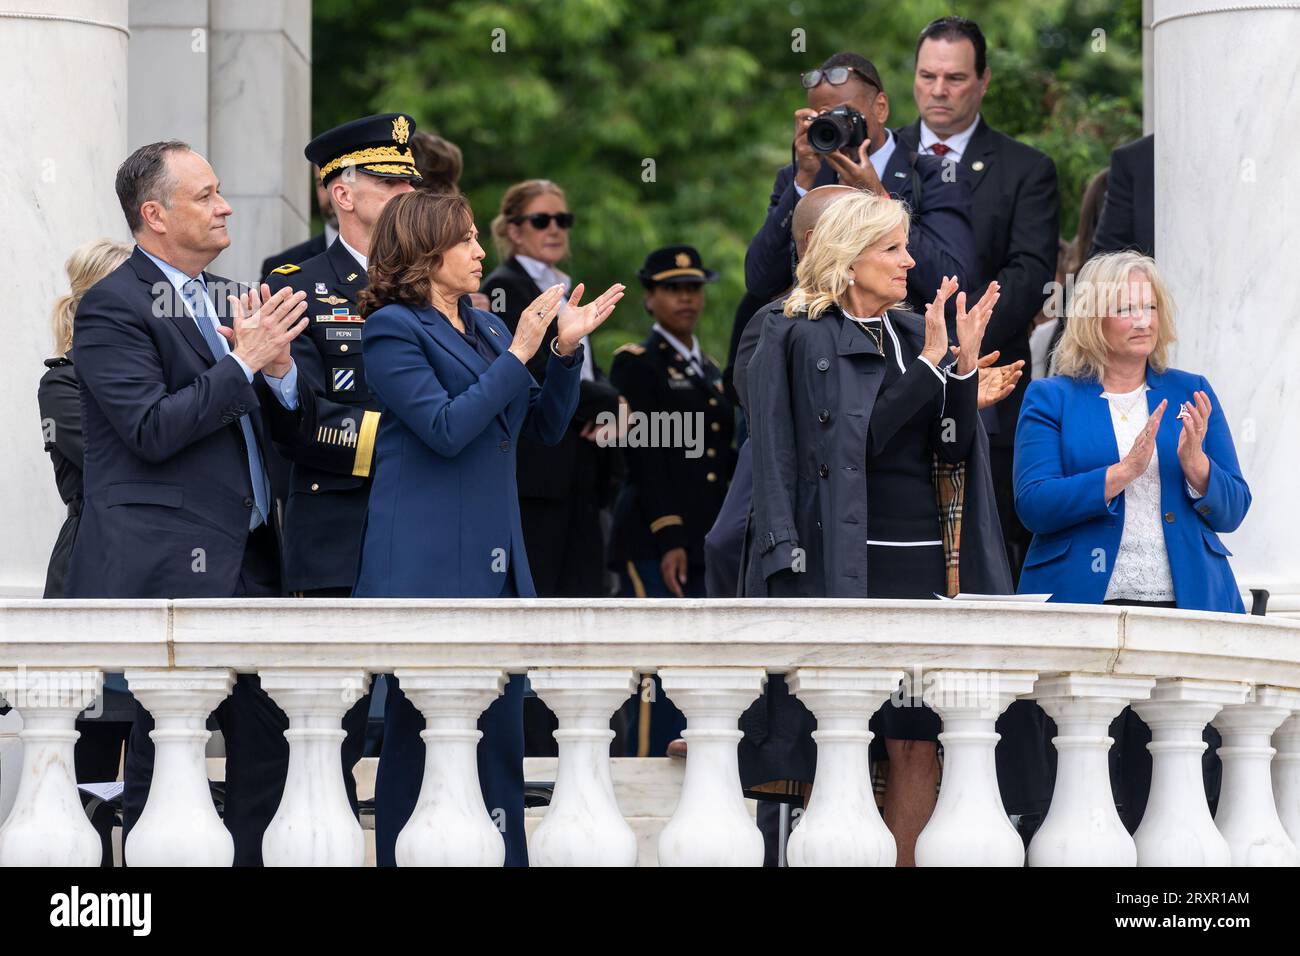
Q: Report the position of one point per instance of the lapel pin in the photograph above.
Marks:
(320, 289)
(352, 277)
(978, 165)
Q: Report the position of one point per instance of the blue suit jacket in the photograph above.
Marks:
(168, 497)
(942, 237)
(1064, 444)
(443, 518)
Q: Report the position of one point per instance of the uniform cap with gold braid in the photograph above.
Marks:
(379, 145)
(673, 264)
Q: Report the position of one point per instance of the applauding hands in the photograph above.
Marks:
(970, 325)
(575, 320)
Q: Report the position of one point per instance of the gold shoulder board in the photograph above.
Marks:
(631, 347)
(286, 270)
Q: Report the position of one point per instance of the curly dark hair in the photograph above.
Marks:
(407, 244)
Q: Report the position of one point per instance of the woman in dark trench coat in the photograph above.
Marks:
(855, 408)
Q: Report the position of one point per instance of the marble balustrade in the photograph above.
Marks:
(969, 660)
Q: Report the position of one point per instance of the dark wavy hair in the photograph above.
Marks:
(407, 245)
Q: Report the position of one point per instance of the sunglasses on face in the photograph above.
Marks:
(542, 220)
(835, 76)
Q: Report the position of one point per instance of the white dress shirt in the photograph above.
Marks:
(693, 356)
(546, 276)
(957, 143)
(364, 260)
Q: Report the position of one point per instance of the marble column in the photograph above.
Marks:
(172, 39)
(1227, 204)
(65, 110)
(259, 120)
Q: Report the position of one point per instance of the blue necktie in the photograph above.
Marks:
(198, 303)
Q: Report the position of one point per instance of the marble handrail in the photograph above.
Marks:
(968, 660)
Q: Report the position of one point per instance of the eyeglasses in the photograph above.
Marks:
(542, 220)
(835, 76)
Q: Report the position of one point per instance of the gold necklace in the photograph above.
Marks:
(1125, 410)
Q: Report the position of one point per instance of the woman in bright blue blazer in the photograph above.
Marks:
(1117, 516)
(443, 517)
(1126, 474)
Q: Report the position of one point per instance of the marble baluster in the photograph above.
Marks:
(179, 825)
(711, 825)
(969, 826)
(842, 825)
(47, 825)
(1176, 828)
(11, 759)
(451, 825)
(314, 824)
(1082, 827)
(1247, 814)
(583, 825)
(1286, 776)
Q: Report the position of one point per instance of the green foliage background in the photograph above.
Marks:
(586, 90)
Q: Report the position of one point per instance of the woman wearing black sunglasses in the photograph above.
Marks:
(561, 487)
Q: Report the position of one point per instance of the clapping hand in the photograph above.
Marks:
(1191, 455)
(533, 323)
(971, 326)
(1125, 471)
(577, 320)
(936, 327)
(995, 384)
(264, 326)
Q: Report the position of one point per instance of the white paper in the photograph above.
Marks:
(104, 791)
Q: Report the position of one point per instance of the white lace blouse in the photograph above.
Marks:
(1141, 571)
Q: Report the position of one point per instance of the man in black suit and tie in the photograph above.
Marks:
(1015, 210)
(1128, 217)
(175, 383)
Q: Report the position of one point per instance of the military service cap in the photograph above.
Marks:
(674, 264)
(378, 145)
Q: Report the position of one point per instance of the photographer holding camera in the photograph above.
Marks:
(841, 137)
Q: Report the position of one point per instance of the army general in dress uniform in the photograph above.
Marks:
(679, 457)
(362, 164)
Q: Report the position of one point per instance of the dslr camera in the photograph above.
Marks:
(840, 128)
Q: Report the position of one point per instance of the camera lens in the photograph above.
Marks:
(828, 132)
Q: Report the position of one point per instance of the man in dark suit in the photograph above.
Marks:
(1128, 217)
(940, 239)
(300, 253)
(174, 389)
(1015, 211)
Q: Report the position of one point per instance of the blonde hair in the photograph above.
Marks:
(846, 228)
(85, 267)
(1101, 287)
(513, 203)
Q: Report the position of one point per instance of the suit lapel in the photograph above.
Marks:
(449, 339)
(980, 156)
(160, 288)
(350, 275)
(486, 329)
(852, 340)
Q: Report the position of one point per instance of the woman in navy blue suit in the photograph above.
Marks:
(443, 517)
(1125, 470)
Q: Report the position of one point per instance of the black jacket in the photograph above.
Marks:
(1015, 210)
(673, 491)
(167, 490)
(1128, 216)
(59, 399)
(332, 457)
(815, 410)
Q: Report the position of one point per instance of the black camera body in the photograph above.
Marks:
(840, 128)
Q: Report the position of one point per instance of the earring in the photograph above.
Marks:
(851, 280)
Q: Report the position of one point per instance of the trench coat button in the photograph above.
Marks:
(823, 471)
(824, 416)
(711, 476)
(823, 364)
(1169, 517)
(343, 348)
(505, 446)
(315, 486)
